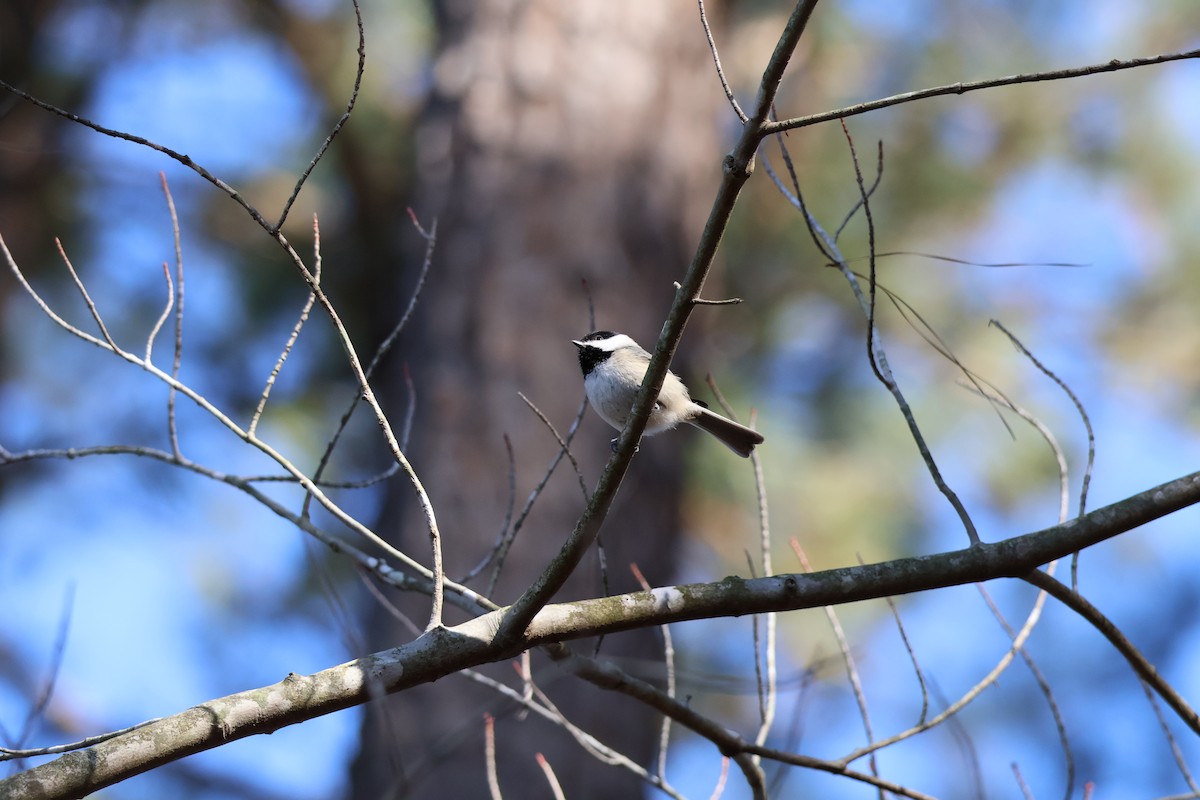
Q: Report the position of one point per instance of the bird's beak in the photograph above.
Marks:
(577, 343)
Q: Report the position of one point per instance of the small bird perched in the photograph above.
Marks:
(613, 368)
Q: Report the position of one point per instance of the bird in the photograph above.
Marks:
(613, 367)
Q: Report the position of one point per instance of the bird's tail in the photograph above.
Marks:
(737, 438)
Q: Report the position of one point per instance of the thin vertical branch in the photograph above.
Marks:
(1064, 495)
(177, 361)
(358, 76)
(508, 512)
(504, 544)
(664, 736)
(878, 359)
(499, 551)
(912, 657)
(1087, 424)
(531, 702)
(555, 787)
(712, 47)
(1043, 685)
(525, 670)
(1024, 787)
(58, 651)
(860, 697)
(164, 316)
(430, 237)
(437, 595)
(764, 541)
(760, 688)
(410, 407)
(489, 756)
(719, 789)
(768, 695)
(295, 334)
(1176, 753)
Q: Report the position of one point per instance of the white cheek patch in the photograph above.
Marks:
(613, 343)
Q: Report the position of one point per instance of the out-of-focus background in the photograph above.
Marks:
(557, 143)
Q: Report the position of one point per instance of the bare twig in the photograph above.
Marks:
(177, 360)
(969, 263)
(820, 237)
(768, 695)
(918, 323)
(1063, 511)
(962, 87)
(508, 512)
(1018, 638)
(1043, 684)
(1025, 793)
(664, 736)
(952, 709)
(586, 740)
(348, 349)
(358, 76)
(852, 676)
(1083, 415)
(859, 203)
(295, 334)
(87, 298)
(410, 408)
(728, 742)
(1087, 424)
(712, 46)
(430, 237)
(182, 158)
(1145, 670)
(563, 443)
(303, 480)
(759, 685)
(551, 778)
(602, 752)
(500, 550)
(12, 754)
(525, 669)
(878, 359)
(489, 756)
(166, 314)
(719, 789)
(1176, 753)
(469, 600)
(912, 657)
(38, 709)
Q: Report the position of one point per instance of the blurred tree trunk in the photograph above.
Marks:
(563, 142)
(34, 177)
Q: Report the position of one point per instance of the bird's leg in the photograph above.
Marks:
(613, 443)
